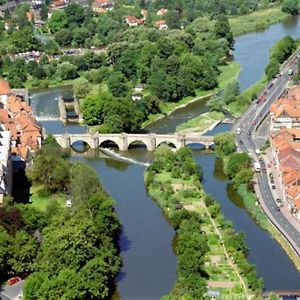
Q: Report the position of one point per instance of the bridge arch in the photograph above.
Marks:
(83, 139)
(109, 143)
(138, 143)
(80, 146)
(168, 143)
(196, 145)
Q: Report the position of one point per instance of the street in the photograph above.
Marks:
(254, 129)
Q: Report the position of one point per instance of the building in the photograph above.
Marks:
(132, 21)
(161, 24)
(285, 147)
(285, 112)
(102, 6)
(162, 11)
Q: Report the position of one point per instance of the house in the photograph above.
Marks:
(162, 11)
(5, 92)
(137, 96)
(132, 21)
(144, 13)
(102, 6)
(161, 24)
(285, 112)
(139, 88)
(59, 4)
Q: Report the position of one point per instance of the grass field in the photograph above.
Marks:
(41, 202)
(256, 21)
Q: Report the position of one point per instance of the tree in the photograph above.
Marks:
(5, 243)
(224, 143)
(74, 13)
(290, 6)
(242, 177)
(63, 37)
(236, 163)
(81, 88)
(58, 21)
(118, 84)
(52, 47)
(67, 71)
(23, 252)
(92, 108)
(222, 30)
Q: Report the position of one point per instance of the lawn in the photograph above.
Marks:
(41, 202)
(201, 123)
(256, 21)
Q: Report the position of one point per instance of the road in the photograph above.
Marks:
(248, 141)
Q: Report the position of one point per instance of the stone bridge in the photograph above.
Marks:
(124, 140)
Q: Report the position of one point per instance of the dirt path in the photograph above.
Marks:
(230, 262)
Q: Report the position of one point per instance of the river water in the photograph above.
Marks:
(149, 263)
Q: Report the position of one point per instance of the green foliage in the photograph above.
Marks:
(290, 6)
(224, 143)
(279, 52)
(81, 88)
(236, 163)
(50, 168)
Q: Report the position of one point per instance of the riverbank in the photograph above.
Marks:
(251, 203)
(228, 73)
(256, 21)
(173, 181)
(201, 124)
(238, 168)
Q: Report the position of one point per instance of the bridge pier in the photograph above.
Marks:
(65, 142)
(180, 141)
(94, 144)
(123, 146)
(152, 143)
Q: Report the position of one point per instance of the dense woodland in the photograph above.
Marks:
(68, 253)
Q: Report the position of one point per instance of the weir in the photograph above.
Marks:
(69, 110)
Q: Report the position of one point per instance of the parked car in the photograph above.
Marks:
(13, 280)
(273, 187)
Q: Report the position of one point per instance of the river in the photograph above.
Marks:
(149, 263)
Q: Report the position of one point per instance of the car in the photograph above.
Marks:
(13, 280)
(272, 181)
(249, 132)
(264, 170)
(241, 142)
(277, 208)
(273, 187)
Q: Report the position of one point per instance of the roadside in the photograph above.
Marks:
(12, 292)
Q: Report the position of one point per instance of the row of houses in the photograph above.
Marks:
(20, 135)
(285, 146)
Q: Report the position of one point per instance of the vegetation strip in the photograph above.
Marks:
(173, 180)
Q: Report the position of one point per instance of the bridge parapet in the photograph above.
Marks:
(123, 140)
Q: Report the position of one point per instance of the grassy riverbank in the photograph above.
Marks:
(252, 205)
(173, 181)
(228, 72)
(201, 123)
(256, 21)
(238, 107)
(238, 167)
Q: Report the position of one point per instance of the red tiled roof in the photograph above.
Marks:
(4, 87)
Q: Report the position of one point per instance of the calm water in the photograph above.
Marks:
(149, 269)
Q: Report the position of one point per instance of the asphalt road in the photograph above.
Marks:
(253, 119)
